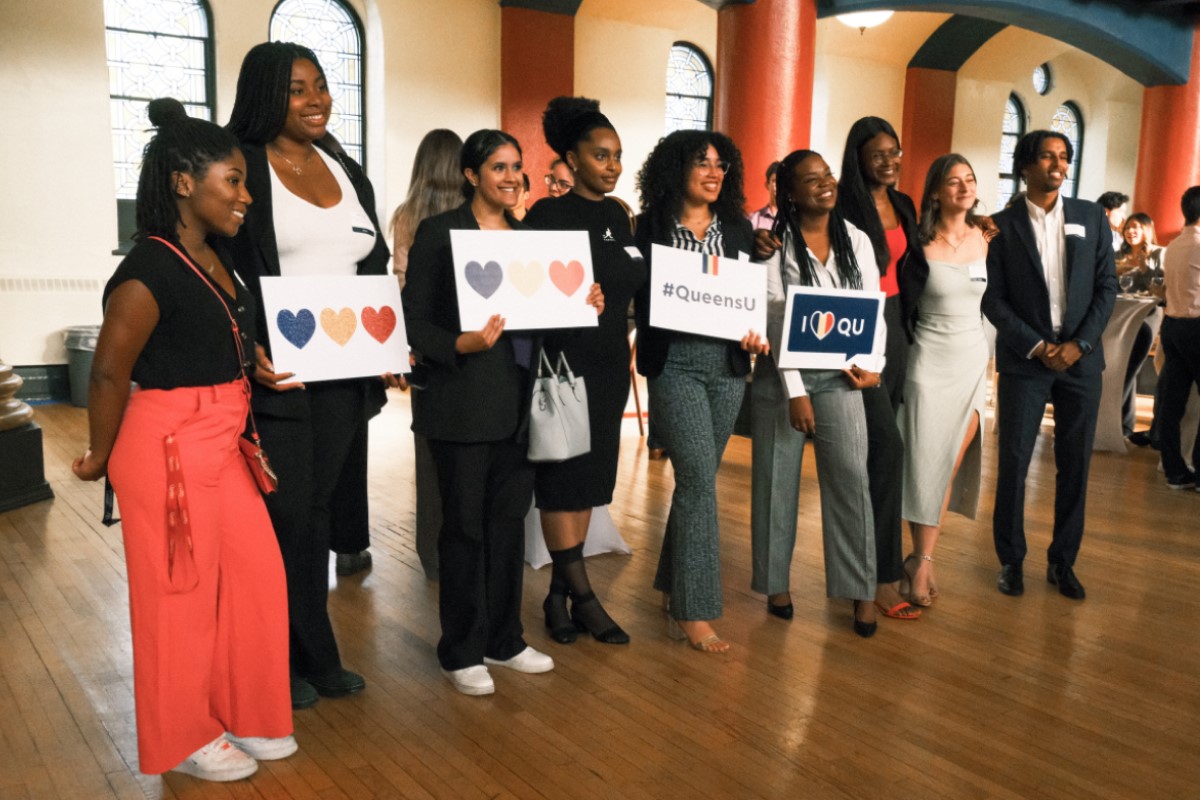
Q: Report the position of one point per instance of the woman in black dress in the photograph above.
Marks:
(567, 491)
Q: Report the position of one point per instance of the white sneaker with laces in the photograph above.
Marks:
(474, 680)
(218, 760)
(262, 748)
(528, 660)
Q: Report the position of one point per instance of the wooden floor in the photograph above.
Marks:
(985, 697)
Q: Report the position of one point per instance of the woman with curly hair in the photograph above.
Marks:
(691, 190)
(567, 491)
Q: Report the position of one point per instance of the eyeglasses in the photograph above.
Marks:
(704, 164)
(553, 182)
(880, 158)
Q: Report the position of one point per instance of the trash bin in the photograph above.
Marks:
(81, 349)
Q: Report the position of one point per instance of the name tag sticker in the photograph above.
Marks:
(977, 272)
(367, 231)
(1073, 229)
(634, 253)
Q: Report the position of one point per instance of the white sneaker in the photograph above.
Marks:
(218, 760)
(261, 748)
(528, 660)
(471, 680)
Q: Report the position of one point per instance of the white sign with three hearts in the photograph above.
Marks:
(534, 279)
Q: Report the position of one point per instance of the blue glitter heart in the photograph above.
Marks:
(297, 328)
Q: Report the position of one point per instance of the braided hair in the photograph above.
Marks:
(788, 222)
(261, 104)
(567, 121)
(181, 144)
(663, 179)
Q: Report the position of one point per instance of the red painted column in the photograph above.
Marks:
(1169, 149)
(927, 129)
(537, 63)
(765, 61)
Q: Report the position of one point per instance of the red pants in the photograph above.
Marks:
(214, 658)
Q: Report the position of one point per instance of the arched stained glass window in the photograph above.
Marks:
(156, 48)
(1011, 132)
(1068, 121)
(689, 89)
(331, 30)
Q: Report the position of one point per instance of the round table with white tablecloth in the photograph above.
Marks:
(1129, 312)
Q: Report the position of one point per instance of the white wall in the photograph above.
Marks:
(1110, 102)
(631, 82)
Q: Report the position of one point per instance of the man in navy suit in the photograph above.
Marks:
(1051, 288)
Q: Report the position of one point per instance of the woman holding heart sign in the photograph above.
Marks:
(820, 248)
(314, 215)
(474, 412)
(566, 491)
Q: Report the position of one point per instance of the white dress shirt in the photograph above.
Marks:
(827, 276)
(1050, 235)
(1181, 270)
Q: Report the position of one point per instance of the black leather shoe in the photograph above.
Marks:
(783, 612)
(1012, 580)
(303, 694)
(1063, 576)
(338, 684)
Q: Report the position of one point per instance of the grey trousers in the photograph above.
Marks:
(694, 403)
(777, 450)
(847, 519)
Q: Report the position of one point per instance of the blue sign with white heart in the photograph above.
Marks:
(830, 328)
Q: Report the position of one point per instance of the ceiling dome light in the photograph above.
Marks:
(864, 19)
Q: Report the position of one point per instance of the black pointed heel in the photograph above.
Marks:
(610, 635)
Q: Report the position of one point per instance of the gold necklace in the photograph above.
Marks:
(295, 167)
(950, 244)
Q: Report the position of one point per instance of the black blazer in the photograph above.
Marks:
(653, 344)
(1017, 300)
(256, 253)
(913, 268)
(480, 397)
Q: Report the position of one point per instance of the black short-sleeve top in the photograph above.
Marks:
(193, 344)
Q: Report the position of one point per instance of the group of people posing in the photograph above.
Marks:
(217, 671)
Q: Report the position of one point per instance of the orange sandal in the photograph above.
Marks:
(894, 611)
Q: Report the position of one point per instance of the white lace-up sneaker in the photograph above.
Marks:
(474, 680)
(528, 660)
(264, 749)
(218, 760)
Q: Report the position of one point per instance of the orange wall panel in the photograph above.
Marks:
(927, 129)
(764, 92)
(537, 63)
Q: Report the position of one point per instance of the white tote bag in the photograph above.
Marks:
(558, 416)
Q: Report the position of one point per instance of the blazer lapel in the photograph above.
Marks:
(1072, 215)
(1024, 229)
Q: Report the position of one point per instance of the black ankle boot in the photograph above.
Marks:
(558, 621)
(588, 615)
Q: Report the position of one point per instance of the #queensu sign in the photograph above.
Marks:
(725, 298)
(830, 328)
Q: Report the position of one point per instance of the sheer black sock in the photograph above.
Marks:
(558, 619)
(586, 610)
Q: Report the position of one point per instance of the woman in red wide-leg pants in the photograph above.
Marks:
(215, 658)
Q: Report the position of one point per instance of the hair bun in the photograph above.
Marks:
(567, 118)
(165, 111)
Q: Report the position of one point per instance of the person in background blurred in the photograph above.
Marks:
(559, 179)
(434, 188)
(1114, 204)
(1139, 270)
(764, 218)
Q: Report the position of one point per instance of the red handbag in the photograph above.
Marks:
(251, 447)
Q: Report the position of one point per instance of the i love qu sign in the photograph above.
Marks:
(534, 279)
(324, 328)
